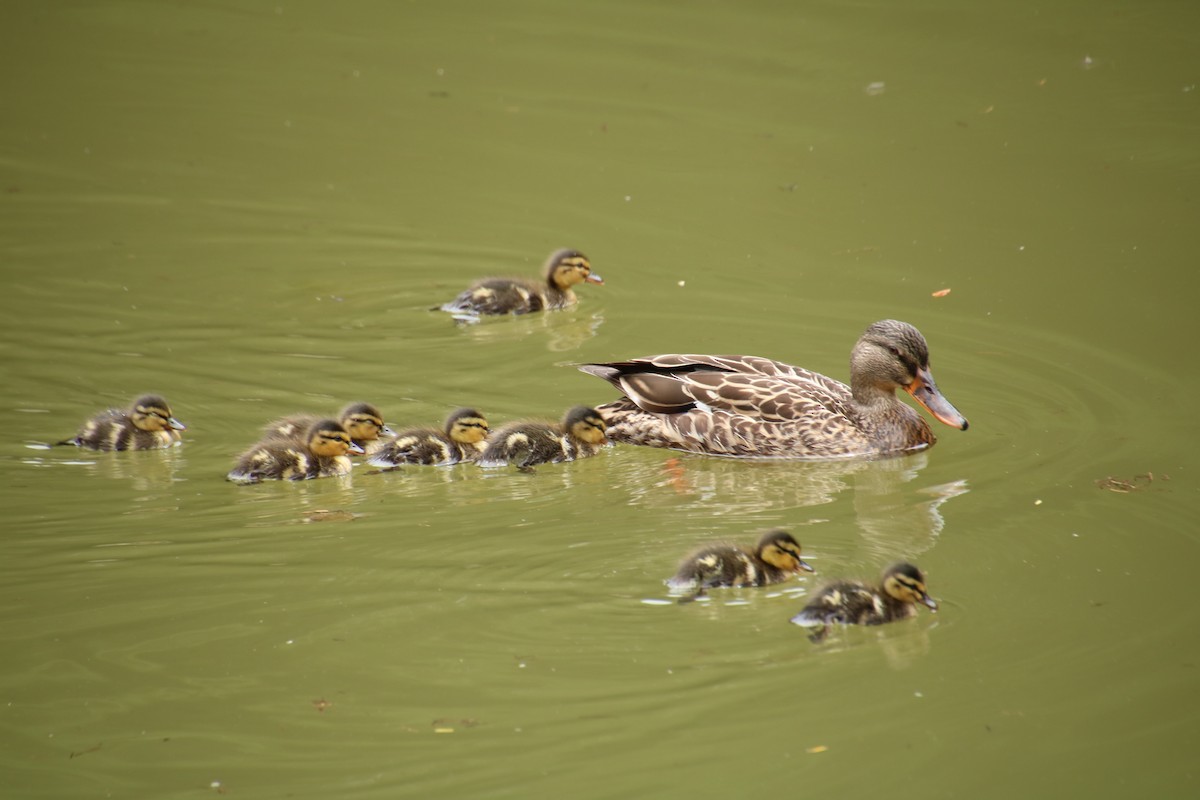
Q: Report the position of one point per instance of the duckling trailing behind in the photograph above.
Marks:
(855, 603)
(497, 296)
(526, 443)
(774, 559)
(462, 440)
(321, 455)
(754, 407)
(147, 425)
(362, 421)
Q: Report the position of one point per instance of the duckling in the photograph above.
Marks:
(362, 421)
(462, 440)
(497, 296)
(525, 443)
(774, 559)
(855, 603)
(279, 458)
(147, 425)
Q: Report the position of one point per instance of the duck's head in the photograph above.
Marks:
(329, 439)
(586, 425)
(906, 583)
(151, 413)
(780, 550)
(467, 426)
(567, 268)
(892, 354)
(363, 422)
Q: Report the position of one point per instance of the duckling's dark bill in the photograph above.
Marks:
(594, 278)
(925, 392)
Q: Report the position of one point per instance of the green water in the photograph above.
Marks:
(250, 208)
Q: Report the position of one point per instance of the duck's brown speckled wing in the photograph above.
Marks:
(730, 405)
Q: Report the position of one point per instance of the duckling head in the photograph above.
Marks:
(780, 550)
(151, 413)
(467, 426)
(328, 439)
(567, 268)
(363, 422)
(586, 425)
(893, 355)
(906, 583)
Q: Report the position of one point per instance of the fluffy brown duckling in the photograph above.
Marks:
(774, 559)
(855, 603)
(461, 440)
(147, 425)
(322, 454)
(526, 443)
(497, 296)
(362, 421)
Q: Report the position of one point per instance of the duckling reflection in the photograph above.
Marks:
(773, 559)
(850, 602)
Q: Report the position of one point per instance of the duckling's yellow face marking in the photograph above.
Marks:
(590, 428)
(330, 443)
(363, 427)
(781, 551)
(468, 430)
(152, 414)
(571, 270)
(908, 586)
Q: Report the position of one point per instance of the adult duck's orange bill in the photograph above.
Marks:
(925, 392)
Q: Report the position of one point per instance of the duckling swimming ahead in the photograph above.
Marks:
(462, 440)
(147, 425)
(525, 443)
(321, 455)
(774, 559)
(362, 421)
(748, 406)
(855, 603)
(496, 296)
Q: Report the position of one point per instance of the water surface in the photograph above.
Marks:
(250, 208)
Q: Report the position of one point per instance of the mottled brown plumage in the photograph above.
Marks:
(146, 425)
(322, 453)
(773, 559)
(526, 443)
(362, 421)
(497, 296)
(748, 406)
(855, 603)
(461, 440)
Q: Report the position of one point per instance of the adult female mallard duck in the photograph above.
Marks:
(147, 425)
(462, 440)
(774, 559)
(322, 454)
(525, 443)
(362, 421)
(855, 603)
(497, 296)
(749, 406)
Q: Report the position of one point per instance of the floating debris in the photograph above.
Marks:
(941, 293)
(329, 515)
(1136, 483)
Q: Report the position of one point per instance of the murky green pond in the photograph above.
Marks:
(250, 207)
